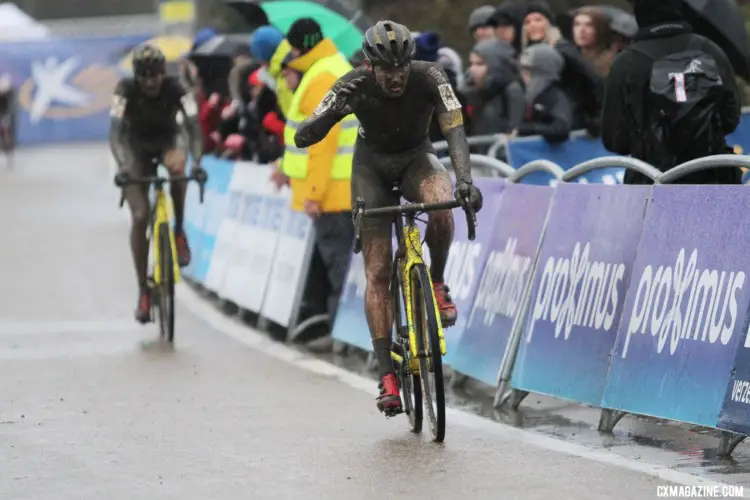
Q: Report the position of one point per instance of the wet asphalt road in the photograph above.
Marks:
(91, 409)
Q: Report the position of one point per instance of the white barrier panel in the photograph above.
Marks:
(261, 211)
(289, 268)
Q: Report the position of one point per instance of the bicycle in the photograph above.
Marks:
(164, 268)
(419, 344)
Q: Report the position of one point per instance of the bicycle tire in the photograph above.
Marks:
(166, 284)
(428, 341)
(411, 388)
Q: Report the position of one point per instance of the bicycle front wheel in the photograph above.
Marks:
(428, 346)
(411, 390)
(166, 284)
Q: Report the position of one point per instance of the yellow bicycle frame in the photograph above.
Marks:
(163, 211)
(412, 242)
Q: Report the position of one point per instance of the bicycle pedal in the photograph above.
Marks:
(392, 412)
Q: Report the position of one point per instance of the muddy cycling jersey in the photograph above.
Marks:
(149, 123)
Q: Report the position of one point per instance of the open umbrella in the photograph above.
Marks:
(226, 46)
(343, 25)
(173, 48)
(722, 22)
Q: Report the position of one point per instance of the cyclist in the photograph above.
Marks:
(7, 110)
(394, 100)
(144, 127)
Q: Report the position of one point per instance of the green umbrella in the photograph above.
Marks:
(347, 36)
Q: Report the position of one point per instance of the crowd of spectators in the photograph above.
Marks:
(522, 77)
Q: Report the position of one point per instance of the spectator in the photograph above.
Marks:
(269, 47)
(481, 23)
(240, 72)
(508, 20)
(548, 109)
(428, 47)
(592, 36)
(239, 128)
(698, 106)
(321, 174)
(264, 110)
(579, 79)
(210, 121)
(495, 95)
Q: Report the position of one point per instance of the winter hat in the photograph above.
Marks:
(428, 44)
(304, 34)
(540, 7)
(542, 59)
(481, 17)
(203, 35)
(264, 42)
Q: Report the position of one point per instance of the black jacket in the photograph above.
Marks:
(550, 116)
(584, 86)
(627, 101)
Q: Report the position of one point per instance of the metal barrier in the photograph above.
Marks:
(612, 161)
(476, 140)
(501, 169)
(704, 163)
(537, 166)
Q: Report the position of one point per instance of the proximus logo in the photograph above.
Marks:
(653, 310)
(503, 281)
(578, 292)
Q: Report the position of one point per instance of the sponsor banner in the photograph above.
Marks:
(566, 154)
(467, 258)
(290, 264)
(579, 289)
(260, 214)
(209, 215)
(515, 240)
(65, 86)
(686, 309)
(194, 219)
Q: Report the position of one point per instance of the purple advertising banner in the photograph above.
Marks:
(515, 240)
(685, 311)
(579, 288)
(467, 258)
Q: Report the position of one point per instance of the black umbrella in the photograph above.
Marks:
(620, 22)
(226, 46)
(254, 15)
(722, 22)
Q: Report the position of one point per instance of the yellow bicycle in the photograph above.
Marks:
(419, 344)
(164, 269)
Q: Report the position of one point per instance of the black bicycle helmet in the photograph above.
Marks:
(388, 43)
(148, 61)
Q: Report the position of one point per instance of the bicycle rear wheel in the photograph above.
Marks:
(166, 284)
(411, 390)
(428, 346)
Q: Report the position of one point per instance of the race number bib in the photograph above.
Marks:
(189, 106)
(118, 106)
(449, 98)
(326, 104)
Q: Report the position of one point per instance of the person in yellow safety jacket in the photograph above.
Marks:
(320, 176)
(268, 46)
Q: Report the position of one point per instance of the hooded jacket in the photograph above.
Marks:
(627, 103)
(512, 13)
(499, 104)
(548, 109)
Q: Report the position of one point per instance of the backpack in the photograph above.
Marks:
(685, 88)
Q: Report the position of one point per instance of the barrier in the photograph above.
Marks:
(65, 86)
(248, 246)
(632, 299)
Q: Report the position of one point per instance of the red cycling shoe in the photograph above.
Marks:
(447, 308)
(389, 401)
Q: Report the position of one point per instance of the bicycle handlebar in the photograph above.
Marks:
(199, 176)
(410, 208)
